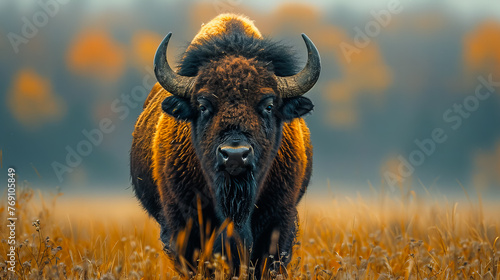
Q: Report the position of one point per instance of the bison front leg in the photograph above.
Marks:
(235, 242)
(181, 234)
(274, 234)
(181, 242)
(236, 238)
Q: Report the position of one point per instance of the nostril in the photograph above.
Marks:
(245, 155)
(224, 154)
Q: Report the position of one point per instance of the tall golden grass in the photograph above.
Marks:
(386, 237)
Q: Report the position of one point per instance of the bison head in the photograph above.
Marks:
(236, 105)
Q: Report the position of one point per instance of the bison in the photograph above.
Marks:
(221, 146)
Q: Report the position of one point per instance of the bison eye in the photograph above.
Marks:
(266, 106)
(204, 107)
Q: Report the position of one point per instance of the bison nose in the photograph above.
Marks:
(235, 159)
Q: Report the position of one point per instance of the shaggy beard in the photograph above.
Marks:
(236, 196)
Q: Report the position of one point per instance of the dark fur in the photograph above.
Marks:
(235, 82)
(280, 58)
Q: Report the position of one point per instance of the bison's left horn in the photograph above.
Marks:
(303, 81)
(168, 78)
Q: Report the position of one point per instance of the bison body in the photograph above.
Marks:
(220, 143)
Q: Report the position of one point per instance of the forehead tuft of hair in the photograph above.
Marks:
(229, 34)
(222, 24)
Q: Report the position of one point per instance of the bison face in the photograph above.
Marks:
(236, 105)
(236, 115)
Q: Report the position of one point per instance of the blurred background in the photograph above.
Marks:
(403, 98)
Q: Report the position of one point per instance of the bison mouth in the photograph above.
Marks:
(234, 169)
(235, 196)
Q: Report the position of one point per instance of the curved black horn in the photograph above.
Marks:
(303, 81)
(168, 78)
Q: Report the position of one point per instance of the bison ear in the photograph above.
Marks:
(295, 107)
(177, 107)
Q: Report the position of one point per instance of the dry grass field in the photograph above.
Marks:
(385, 237)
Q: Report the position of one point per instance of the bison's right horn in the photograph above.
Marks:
(303, 81)
(168, 78)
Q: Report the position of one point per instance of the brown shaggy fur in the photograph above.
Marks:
(171, 159)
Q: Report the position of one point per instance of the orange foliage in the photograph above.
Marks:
(367, 70)
(144, 44)
(95, 53)
(481, 48)
(367, 73)
(32, 100)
